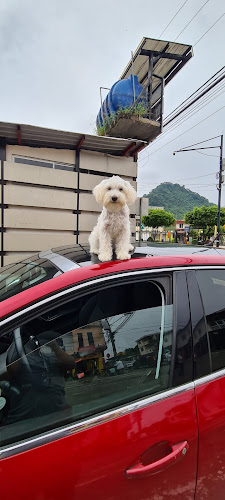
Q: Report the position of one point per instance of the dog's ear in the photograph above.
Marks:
(98, 192)
(131, 194)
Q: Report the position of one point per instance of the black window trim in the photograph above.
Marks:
(84, 288)
(195, 295)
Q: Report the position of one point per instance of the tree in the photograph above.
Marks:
(157, 218)
(205, 218)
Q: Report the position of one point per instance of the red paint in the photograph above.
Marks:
(210, 399)
(93, 463)
(70, 278)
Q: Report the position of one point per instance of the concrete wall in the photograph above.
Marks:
(41, 203)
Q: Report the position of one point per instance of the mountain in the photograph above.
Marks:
(176, 199)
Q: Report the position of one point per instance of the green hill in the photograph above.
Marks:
(176, 199)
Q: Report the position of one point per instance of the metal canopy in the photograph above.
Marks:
(28, 135)
(168, 59)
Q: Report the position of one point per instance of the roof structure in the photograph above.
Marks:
(29, 135)
(169, 57)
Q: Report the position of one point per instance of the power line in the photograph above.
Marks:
(195, 105)
(202, 142)
(209, 29)
(203, 85)
(185, 179)
(191, 128)
(200, 96)
(191, 20)
(181, 121)
(195, 109)
(205, 154)
(189, 114)
(173, 17)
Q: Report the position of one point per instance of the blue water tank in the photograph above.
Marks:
(120, 96)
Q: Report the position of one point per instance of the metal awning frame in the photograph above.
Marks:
(155, 109)
(32, 136)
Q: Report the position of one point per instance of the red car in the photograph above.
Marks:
(75, 421)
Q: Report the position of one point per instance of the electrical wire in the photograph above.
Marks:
(199, 102)
(203, 85)
(191, 20)
(181, 121)
(173, 18)
(206, 154)
(202, 142)
(190, 113)
(198, 107)
(149, 154)
(184, 179)
(208, 29)
(200, 96)
(191, 128)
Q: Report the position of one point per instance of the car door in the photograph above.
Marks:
(77, 423)
(207, 295)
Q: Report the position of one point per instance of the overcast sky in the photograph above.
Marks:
(54, 56)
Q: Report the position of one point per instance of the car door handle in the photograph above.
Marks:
(178, 451)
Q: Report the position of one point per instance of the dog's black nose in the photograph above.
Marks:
(114, 198)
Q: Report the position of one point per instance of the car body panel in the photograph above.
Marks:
(211, 456)
(92, 463)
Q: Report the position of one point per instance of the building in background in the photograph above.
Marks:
(47, 177)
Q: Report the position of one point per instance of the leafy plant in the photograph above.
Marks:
(127, 112)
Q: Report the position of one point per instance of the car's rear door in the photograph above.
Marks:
(207, 297)
(77, 423)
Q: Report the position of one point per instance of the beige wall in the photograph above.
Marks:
(57, 155)
(40, 202)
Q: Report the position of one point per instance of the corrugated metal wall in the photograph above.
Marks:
(45, 207)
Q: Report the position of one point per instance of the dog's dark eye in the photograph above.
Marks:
(109, 188)
(121, 189)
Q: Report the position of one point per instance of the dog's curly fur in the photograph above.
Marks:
(112, 231)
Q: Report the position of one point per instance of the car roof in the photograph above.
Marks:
(72, 264)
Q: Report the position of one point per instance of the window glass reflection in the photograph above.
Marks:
(59, 372)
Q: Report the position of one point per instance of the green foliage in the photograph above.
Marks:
(156, 218)
(205, 218)
(133, 110)
(193, 233)
(176, 199)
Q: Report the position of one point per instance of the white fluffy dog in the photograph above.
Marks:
(112, 231)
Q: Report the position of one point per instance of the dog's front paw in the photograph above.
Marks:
(94, 251)
(105, 257)
(130, 248)
(123, 256)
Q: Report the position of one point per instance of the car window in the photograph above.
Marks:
(89, 355)
(14, 278)
(212, 288)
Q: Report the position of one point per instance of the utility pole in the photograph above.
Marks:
(219, 191)
(140, 211)
(220, 174)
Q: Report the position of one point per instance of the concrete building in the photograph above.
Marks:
(148, 344)
(47, 177)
